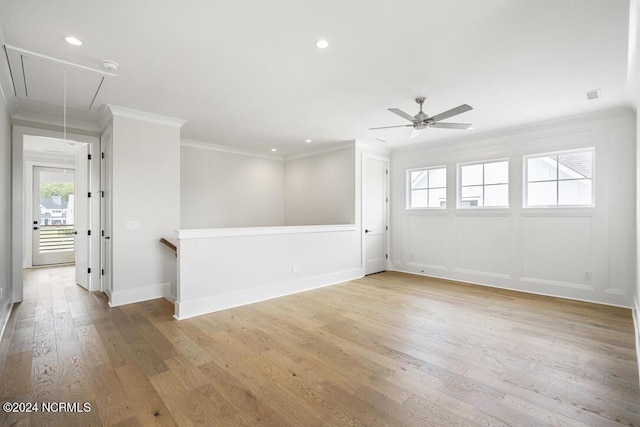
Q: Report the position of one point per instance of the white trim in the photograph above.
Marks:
(261, 231)
(636, 327)
(226, 149)
(509, 288)
(36, 121)
(129, 113)
(146, 293)
(321, 150)
(450, 143)
(187, 309)
(373, 147)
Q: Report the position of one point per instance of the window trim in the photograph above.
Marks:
(525, 180)
(408, 188)
(483, 185)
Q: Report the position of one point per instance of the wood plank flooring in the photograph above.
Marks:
(390, 349)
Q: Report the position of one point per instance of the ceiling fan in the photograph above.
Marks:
(422, 121)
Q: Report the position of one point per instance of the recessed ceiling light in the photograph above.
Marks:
(322, 44)
(72, 40)
(307, 140)
(274, 150)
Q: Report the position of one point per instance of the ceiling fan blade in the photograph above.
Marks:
(389, 127)
(402, 114)
(415, 133)
(453, 112)
(451, 125)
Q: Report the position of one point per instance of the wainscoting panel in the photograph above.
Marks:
(482, 245)
(557, 250)
(428, 240)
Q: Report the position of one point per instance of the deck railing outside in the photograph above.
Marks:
(56, 238)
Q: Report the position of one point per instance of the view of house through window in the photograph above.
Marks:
(560, 179)
(428, 188)
(484, 184)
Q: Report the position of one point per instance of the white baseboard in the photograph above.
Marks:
(4, 317)
(187, 309)
(636, 328)
(146, 293)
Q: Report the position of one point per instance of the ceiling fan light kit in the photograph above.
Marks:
(422, 121)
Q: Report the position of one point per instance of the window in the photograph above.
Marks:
(427, 188)
(559, 179)
(484, 184)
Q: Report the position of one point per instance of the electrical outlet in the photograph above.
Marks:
(411, 255)
(202, 244)
(587, 275)
(294, 268)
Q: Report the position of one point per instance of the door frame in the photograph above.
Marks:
(18, 208)
(31, 216)
(28, 201)
(364, 157)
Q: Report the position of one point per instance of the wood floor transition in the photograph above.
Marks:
(389, 349)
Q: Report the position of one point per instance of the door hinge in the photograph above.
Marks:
(386, 227)
(102, 272)
(89, 270)
(88, 232)
(386, 256)
(386, 171)
(102, 194)
(102, 233)
(89, 194)
(386, 199)
(89, 156)
(102, 155)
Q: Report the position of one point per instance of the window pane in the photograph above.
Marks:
(471, 175)
(438, 198)
(575, 165)
(418, 179)
(576, 192)
(541, 169)
(496, 173)
(496, 195)
(471, 196)
(418, 198)
(437, 178)
(542, 194)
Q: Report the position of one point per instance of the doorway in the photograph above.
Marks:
(43, 158)
(53, 216)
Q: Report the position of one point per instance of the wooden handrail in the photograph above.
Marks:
(169, 245)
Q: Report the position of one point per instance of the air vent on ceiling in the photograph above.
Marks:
(593, 94)
(41, 78)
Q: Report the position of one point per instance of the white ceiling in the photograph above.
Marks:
(247, 73)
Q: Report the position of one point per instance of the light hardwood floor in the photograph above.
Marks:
(390, 349)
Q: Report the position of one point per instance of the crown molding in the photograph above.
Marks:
(322, 150)
(227, 149)
(117, 111)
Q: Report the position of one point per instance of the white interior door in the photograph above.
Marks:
(53, 216)
(82, 216)
(374, 212)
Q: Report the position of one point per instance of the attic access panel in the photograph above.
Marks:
(40, 78)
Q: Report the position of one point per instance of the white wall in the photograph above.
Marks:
(145, 203)
(6, 288)
(222, 187)
(544, 251)
(225, 189)
(319, 189)
(224, 268)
